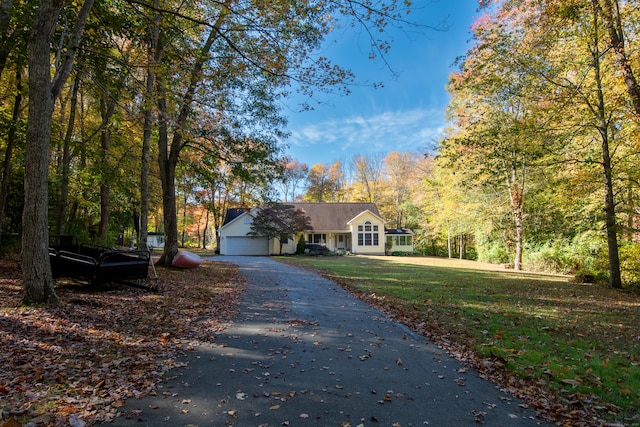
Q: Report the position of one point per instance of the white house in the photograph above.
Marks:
(155, 240)
(347, 227)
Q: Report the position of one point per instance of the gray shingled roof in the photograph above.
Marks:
(334, 216)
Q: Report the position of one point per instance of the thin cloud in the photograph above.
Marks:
(389, 131)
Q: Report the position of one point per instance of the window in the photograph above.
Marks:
(368, 234)
(402, 240)
(317, 238)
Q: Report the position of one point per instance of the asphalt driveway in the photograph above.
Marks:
(303, 352)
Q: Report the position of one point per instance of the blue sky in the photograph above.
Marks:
(408, 113)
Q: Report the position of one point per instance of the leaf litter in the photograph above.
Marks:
(77, 363)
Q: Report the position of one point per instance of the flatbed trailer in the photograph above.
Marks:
(98, 264)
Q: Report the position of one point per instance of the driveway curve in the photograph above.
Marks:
(304, 352)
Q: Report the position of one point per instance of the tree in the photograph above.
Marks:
(615, 25)
(43, 91)
(279, 221)
(399, 169)
(541, 90)
(293, 173)
(324, 183)
(366, 178)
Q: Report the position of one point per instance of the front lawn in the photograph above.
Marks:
(570, 350)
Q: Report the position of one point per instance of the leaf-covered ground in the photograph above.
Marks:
(76, 364)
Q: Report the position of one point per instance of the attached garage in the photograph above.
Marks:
(241, 245)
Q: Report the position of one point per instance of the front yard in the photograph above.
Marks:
(78, 363)
(570, 350)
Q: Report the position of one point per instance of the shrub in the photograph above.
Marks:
(300, 245)
(493, 252)
(630, 264)
(550, 257)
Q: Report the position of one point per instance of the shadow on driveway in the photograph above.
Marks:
(303, 352)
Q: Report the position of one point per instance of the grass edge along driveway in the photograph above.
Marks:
(570, 350)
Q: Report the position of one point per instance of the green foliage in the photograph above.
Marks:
(493, 252)
(301, 244)
(551, 257)
(630, 264)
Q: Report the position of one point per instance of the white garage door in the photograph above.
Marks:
(247, 246)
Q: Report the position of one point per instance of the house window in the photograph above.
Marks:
(402, 240)
(368, 234)
(317, 238)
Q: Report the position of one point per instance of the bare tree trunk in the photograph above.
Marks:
(36, 268)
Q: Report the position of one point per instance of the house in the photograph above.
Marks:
(341, 227)
(155, 240)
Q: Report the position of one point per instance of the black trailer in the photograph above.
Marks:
(98, 264)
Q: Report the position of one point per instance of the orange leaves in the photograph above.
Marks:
(78, 363)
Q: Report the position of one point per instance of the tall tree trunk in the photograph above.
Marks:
(108, 108)
(206, 229)
(603, 126)
(168, 155)
(516, 197)
(613, 21)
(66, 160)
(144, 167)
(153, 56)
(167, 165)
(36, 268)
(103, 226)
(11, 143)
(184, 221)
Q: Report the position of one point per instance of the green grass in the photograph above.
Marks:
(580, 343)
